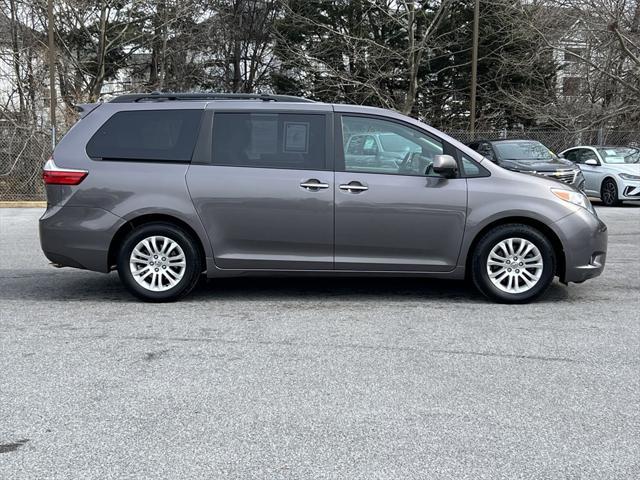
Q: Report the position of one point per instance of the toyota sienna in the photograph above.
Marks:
(164, 187)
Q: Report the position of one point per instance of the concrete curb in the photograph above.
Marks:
(23, 204)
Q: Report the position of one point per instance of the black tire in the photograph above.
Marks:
(192, 269)
(609, 193)
(489, 240)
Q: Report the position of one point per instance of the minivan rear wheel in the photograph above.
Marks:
(159, 262)
(513, 263)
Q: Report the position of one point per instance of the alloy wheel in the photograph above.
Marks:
(609, 193)
(514, 265)
(157, 263)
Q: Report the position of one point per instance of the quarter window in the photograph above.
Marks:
(471, 169)
(151, 135)
(372, 145)
(269, 140)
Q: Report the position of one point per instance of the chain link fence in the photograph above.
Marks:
(24, 151)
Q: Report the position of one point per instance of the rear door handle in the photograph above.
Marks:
(314, 184)
(354, 187)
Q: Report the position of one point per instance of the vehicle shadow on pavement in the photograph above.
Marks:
(383, 289)
(76, 285)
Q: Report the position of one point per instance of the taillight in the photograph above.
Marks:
(54, 175)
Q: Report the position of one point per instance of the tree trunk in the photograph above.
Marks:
(16, 55)
(237, 47)
(412, 57)
(99, 74)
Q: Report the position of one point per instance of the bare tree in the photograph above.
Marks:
(366, 50)
(600, 48)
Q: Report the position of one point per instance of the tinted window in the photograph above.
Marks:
(586, 154)
(269, 140)
(485, 150)
(412, 152)
(571, 155)
(167, 135)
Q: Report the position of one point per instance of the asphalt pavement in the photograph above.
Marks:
(316, 378)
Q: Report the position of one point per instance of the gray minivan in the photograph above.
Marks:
(164, 187)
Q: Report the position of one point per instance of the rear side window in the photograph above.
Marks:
(270, 140)
(152, 135)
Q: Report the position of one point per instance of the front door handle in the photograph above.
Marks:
(314, 185)
(354, 187)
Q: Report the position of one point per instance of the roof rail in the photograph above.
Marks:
(163, 97)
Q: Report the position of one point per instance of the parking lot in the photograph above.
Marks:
(316, 378)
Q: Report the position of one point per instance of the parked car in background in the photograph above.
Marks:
(384, 152)
(611, 173)
(529, 156)
(164, 187)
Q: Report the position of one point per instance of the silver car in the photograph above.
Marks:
(166, 187)
(611, 173)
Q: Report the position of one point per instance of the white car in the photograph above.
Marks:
(611, 173)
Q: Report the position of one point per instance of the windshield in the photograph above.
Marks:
(620, 155)
(523, 151)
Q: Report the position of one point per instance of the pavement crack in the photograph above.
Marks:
(507, 355)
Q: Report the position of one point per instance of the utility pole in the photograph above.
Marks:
(474, 69)
(52, 72)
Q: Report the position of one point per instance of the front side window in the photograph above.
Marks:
(147, 135)
(484, 149)
(396, 149)
(269, 140)
(586, 154)
(571, 155)
(392, 142)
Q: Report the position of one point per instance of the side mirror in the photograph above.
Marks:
(445, 165)
(561, 155)
(592, 162)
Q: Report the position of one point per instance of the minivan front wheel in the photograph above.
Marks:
(513, 263)
(159, 262)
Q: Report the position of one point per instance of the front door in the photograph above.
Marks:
(592, 173)
(393, 213)
(266, 199)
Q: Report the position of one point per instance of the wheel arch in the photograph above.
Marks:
(532, 222)
(609, 176)
(138, 221)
